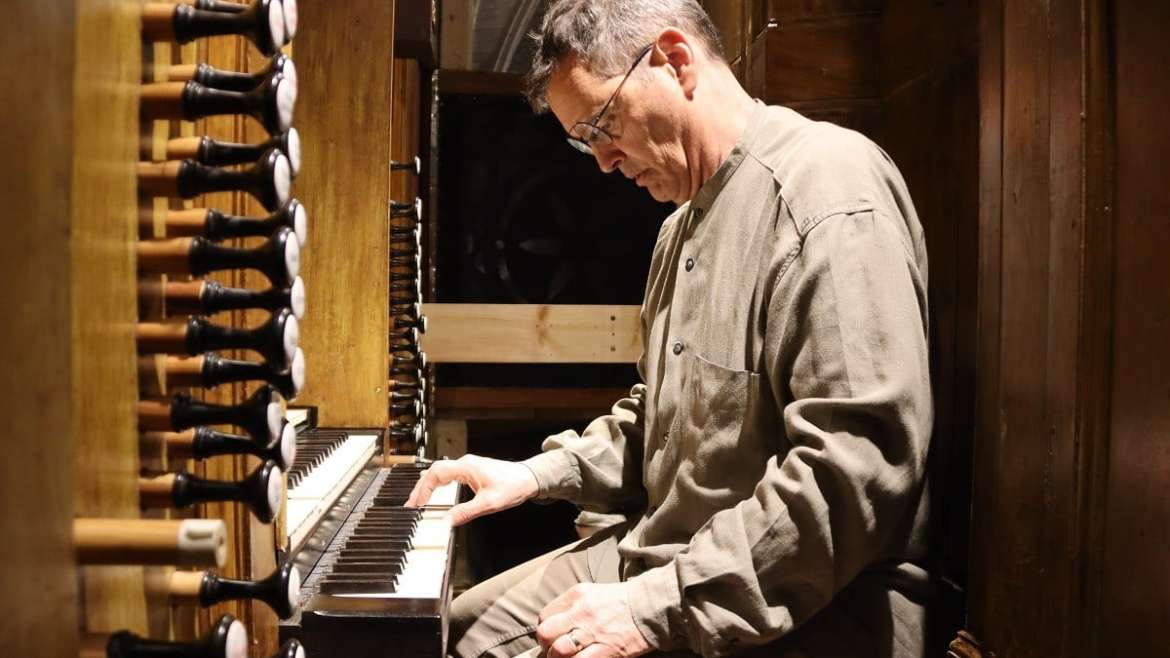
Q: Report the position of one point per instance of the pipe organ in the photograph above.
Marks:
(223, 424)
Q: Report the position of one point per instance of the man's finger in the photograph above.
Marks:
(597, 650)
(464, 512)
(440, 473)
(553, 627)
(563, 647)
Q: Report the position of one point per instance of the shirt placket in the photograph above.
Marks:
(685, 309)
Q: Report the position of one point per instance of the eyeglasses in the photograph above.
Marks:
(584, 135)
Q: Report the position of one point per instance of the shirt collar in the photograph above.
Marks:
(714, 185)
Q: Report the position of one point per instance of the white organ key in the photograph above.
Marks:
(445, 495)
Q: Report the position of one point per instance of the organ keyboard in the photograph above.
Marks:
(327, 461)
(378, 572)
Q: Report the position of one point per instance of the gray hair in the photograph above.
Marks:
(606, 35)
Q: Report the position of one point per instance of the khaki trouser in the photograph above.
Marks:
(498, 617)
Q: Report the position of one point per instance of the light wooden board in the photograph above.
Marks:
(344, 58)
(103, 293)
(531, 333)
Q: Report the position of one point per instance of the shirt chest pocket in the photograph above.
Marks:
(718, 430)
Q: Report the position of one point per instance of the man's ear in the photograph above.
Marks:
(675, 50)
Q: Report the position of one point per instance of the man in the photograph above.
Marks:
(772, 464)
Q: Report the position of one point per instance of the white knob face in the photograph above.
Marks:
(298, 370)
(275, 490)
(292, 337)
(281, 179)
(237, 641)
(294, 588)
(300, 652)
(274, 417)
(288, 444)
(276, 24)
(292, 258)
(290, 76)
(297, 298)
(286, 102)
(301, 224)
(418, 208)
(422, 322)
(290, 19)
(294, 151)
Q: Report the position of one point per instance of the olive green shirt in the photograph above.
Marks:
(777, 449)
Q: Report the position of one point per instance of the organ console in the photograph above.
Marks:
(269, 180)
(276, 340)
(228, 639)
(207, 151)
(203, 442)
(261, 22)
(208, 297)
(382, 572)
(271, 103)
(185, 543)
(281, 590)
(211, 370)
(260, 491)
(259, 415)
(279, 258)
(218, 226)
(207, 75)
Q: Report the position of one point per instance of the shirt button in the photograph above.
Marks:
(678, 348)
(690, 264)
(665, 437)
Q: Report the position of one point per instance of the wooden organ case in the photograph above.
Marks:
(186, 248)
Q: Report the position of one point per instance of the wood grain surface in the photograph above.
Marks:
(344, 115)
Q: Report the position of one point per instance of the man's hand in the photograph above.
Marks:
(498, 485)
(591, 621)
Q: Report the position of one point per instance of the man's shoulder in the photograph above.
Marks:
(822, 168)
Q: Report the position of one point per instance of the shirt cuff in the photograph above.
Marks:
(656, 605)
(557, 474)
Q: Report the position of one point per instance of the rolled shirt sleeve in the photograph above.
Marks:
(598, 469)
(846, 361)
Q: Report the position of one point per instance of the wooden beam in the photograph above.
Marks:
(531, 333)
(464, 402)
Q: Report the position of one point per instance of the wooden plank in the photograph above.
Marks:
(465, 402)
(344, 115)
(38, 613)
(792, 10)
(104, 228)
(531, 333)
(816, 60)
(458, 34)
(1134, 604)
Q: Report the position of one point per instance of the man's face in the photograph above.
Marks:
(644, 121)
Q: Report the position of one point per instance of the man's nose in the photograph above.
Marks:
(609, 157)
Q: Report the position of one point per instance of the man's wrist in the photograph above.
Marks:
(656, 606)
(556, 474)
